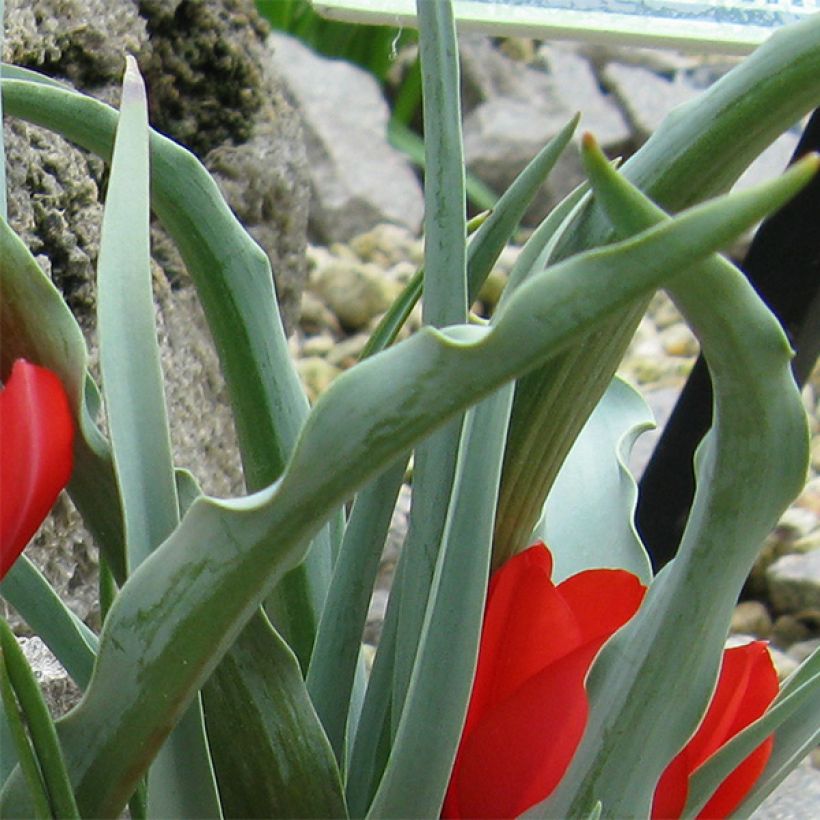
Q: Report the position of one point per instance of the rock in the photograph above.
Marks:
(375, 616)
(783, 662)
(678, 340)
(803, 649)
(355, 292)
(319, 345)
(794, 582)
(577, 84)
(357, 179)
(515, 109)
(316, 374)
(788, 630)
(387, 245)
(771, 163)
(796, 798)
(316, 316)
(61, 694)
(751, 618)
(646, 97)
(209, 87)
(348, 351)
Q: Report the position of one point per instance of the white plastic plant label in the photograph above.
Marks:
(726, 26)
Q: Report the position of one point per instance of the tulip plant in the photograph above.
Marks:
(511, 678)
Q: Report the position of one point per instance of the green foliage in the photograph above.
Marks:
(501, 419)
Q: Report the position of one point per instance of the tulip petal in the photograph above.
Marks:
(747, 684)
(601, 600)
(36, 436)
(529, 707)
(527, 625)
(518, 752)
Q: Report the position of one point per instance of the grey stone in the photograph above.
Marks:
(796, 798)
(520, 107)
(751, 618)
(771, 163)
(646, 97)
(577, 85)
(486, 72)
(357, 179)
(210, 88)
(316, 374)
(794, 582)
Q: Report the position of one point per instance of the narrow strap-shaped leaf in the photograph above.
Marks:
(181, 781)
(210, 575)
(445, 303)
(370, 747)
(46, 747)
(129, 351)
(411, 144)
(445, 220)
(332, 669)
(534, 256)
(428, 733)
(793, 718)
(760, 433)
(17, 747)
(273, 758)
(71, 641)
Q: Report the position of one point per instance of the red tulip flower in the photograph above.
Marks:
(529, 707)
(36, 436)
(746, 686)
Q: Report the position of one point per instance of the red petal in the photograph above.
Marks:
(529, 708)
(36, 435)
(747, 684)
(672, 789)
(602, 600)
(738, 784)
(527, 625)
(518, 752)
(746, 687)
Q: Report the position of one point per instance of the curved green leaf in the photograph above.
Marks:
(35, 323)
(184, 606)
(588, 518)
(759, 433)
(129, 351)
(444, 303)
(698, 151)
(273, 759)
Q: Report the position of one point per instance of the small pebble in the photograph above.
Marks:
(751, 618)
